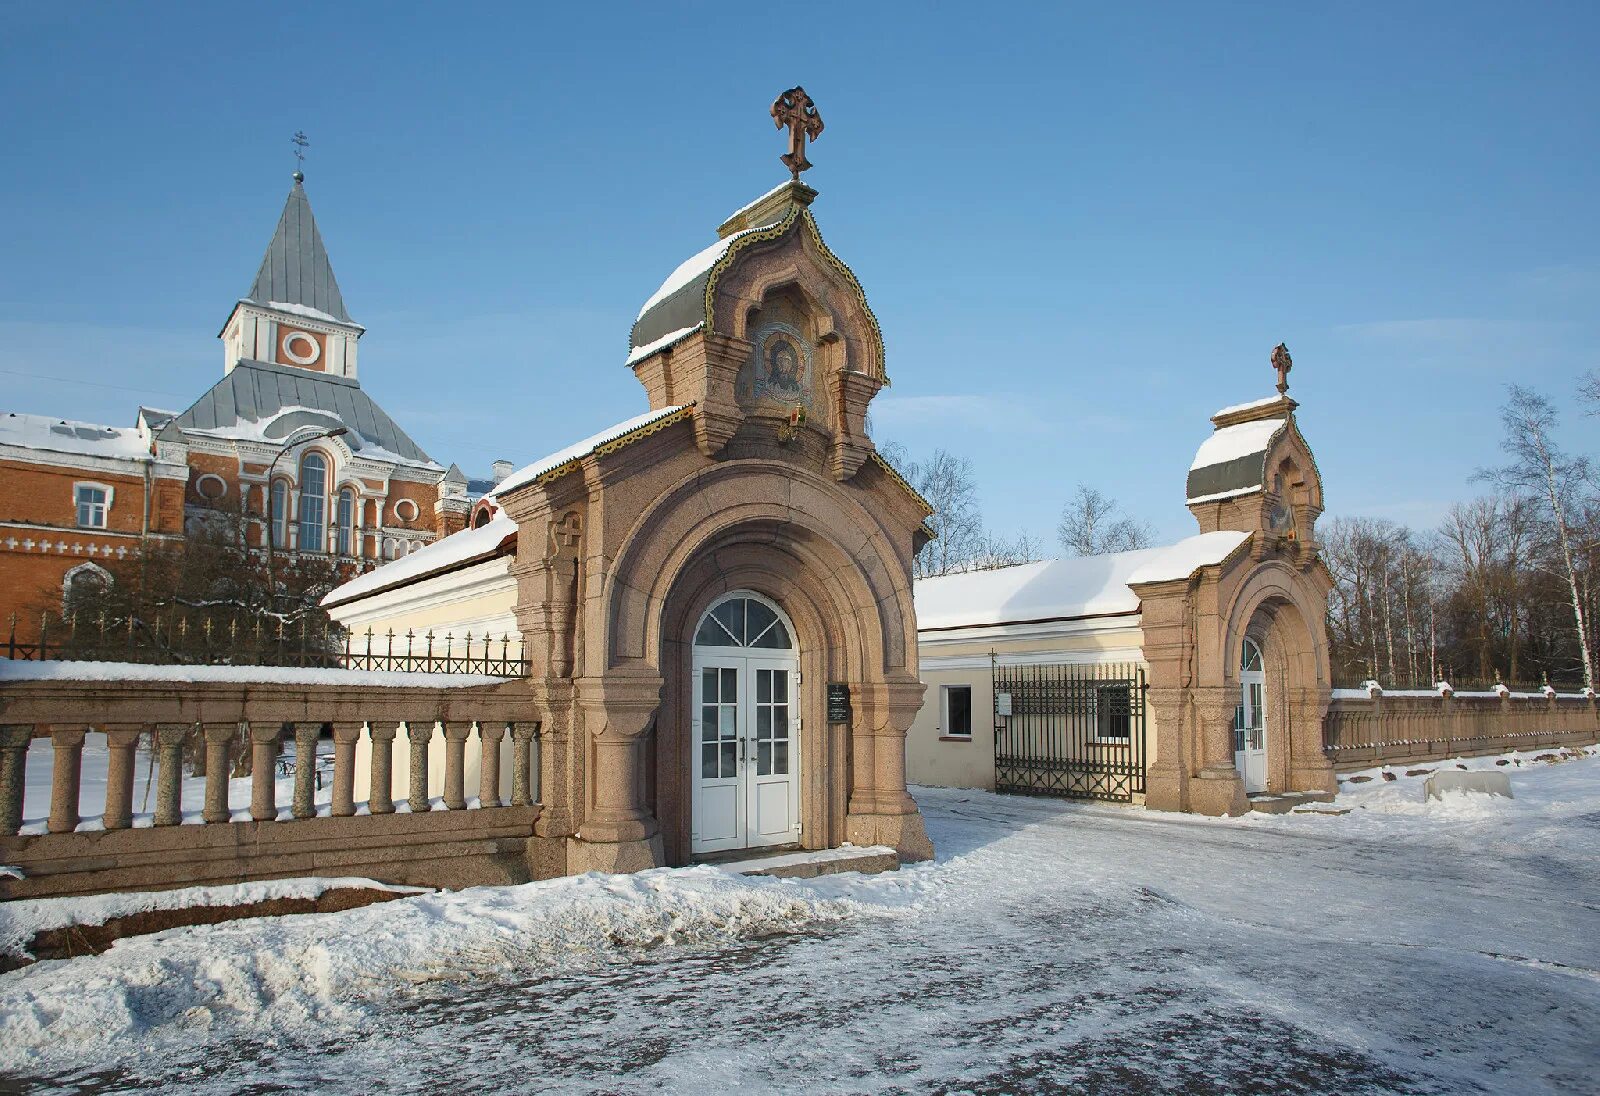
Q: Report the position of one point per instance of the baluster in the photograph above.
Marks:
(419, 733)
(490, 735)
(345, 736)
(455, 758)
(305, 769)
(521, 753)
(14, 739)
(121, 739)
(219, 738)
(65, 777)
(380, 797)
(169, 777)
(263, 760)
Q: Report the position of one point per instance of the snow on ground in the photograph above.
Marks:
(1448, 947)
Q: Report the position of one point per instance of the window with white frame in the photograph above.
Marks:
(956, 702)
(280, 513)
(93, 502)
(313, 503)
(346, 521)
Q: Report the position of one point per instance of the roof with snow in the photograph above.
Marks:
(295, 270)
(1233, 460)
(67, 436)
(678, 307)
(1063, 589)
(624, 431)
(451, 553)
(259, 401)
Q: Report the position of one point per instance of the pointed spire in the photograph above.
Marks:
(295, 269)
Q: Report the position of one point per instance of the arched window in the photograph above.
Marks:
(347, 520)
(82, 586)
(313, 502)
(484, 518)
(280, 513)
(1250, 655)
(743, 622)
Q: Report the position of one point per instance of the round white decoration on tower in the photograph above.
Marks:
(301, 348)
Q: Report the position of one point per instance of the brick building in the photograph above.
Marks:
(287, 436)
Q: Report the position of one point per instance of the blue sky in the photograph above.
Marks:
(1083, 230)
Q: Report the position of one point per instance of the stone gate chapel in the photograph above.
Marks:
(715, 596)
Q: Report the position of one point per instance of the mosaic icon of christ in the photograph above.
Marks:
(783, 368)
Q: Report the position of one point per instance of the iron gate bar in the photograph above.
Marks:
(1075, 730)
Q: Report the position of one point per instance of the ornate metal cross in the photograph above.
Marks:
(1282, 363)
(795, 109)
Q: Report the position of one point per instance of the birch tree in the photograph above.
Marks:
(1091, 525)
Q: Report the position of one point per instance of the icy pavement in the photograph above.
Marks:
(1400, 948)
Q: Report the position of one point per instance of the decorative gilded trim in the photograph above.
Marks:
(618, 442)
(905, 486)
(777, 231)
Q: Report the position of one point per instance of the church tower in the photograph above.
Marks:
(294, 314)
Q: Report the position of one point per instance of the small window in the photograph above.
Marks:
(1113, 712)
(280, 514)
(94, 502)
(957, 711)
(346, 520)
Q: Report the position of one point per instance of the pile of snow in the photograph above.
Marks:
(578, 450)
(446, 553)
(22, 919)
(234, 675)
(261, 977)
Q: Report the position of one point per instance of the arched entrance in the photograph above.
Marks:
(1250, 719)
(746, 726)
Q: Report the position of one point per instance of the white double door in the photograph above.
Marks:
(747, 756)
(1250, 731)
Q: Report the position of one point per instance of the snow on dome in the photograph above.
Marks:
(1252, 405)
(640, 353)
(1233, 442)
(66, 436)
(1062, 589)
(694, 266)
(579, 450)
(455, 550)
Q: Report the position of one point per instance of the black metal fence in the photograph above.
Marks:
(206, 639)
(1070, 730)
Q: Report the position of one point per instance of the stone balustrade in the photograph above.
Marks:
(146, 728)
(1368, 728)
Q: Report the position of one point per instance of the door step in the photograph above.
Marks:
(1284, 802)
(810, 863)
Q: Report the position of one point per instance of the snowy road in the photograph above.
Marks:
(1452, 948)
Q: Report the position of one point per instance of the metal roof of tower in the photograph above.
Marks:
(295, 269)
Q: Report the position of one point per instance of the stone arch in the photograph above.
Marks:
(83, 572)
(1275, 607)
(766, 502)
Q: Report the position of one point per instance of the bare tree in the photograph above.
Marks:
(1539, 467)
(1091, 526)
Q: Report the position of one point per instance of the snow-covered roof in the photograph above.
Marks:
(260, 401)
(1233, 442)
(452, 552)
(671, 338)
(1233, 460)
(1062, 589)
(66, 436)
(578, 450)
(1252, 405)
(680, 301)
(1184, 558)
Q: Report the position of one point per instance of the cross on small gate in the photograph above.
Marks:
(1282, 363)
(795, 109)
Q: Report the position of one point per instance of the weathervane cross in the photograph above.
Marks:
(1282, 363)
(299, 141)
(795, 109)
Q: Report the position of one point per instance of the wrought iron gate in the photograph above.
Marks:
(1070, 730)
